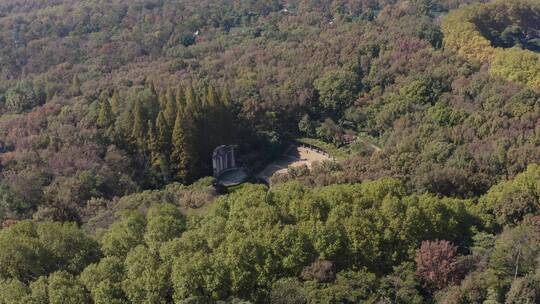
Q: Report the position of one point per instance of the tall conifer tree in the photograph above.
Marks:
(181, 154)
(170, 112)
(153, 143)
(138, 133)
(164, 132)
(226, 117)
(156, 159)
(162, 100)
(170, 95)
(75, 89)
(209, 128)
(105, 117)
(115, 103)
(192, 101)
(180, 97)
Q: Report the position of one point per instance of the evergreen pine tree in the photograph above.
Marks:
(123, 127)
(170, 112)
(75, 89)
(163, 133)
(163, 137)
(152, 105)
(153, 144)
(181, 155)
(211, 98)
(138, 133)
(115, 103)
(156, 156)
(226, 97)
(162, 100)
(103, 95)
(105, 117)
(152, 88)
(159, 157)
(192, 100)
(170, 95)
(194, 114)
(226, 117)
(210, 128)
(180, 97)
(492, 297)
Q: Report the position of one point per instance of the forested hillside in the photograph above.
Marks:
(507, 34)
(110, 111)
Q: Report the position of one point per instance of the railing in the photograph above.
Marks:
(315, 149)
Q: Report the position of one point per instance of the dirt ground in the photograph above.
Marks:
(294, 157)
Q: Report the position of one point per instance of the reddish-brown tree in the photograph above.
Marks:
(437, 264)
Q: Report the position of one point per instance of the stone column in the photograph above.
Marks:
(233, 158)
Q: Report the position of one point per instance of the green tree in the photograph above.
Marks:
(523, 291)
(510, 201)
(21, 196)
(162, 100)
(124, 127)
(115, 103)
(492, 297)
(165, 222)
(30, 250)
(124, 235)
(182, 157)
(245, 260)
(226, 120)
(163, 145)
(337, 90)
(305, 125)
(146, 278)
(292, 249)
(402, 285)
(23, 256)
(71, 247)
(39, 291)
(180, 98)
(104, 281)
(191, 98)
(106, 116)
(138, 133)
(154, 149)
(288, 291)
(211, 98)
(515, 252)
(66, 289)
(349, 287)
(75, 89)
(196, 275)
(13, 291)
(170, 110)
(164, 133)
(21, 97)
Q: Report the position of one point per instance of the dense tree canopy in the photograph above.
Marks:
(110, 112)
(484, 31)
(353, 242)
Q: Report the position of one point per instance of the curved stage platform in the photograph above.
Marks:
(233, 177)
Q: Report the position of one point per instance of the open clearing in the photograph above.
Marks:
(295, 156)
